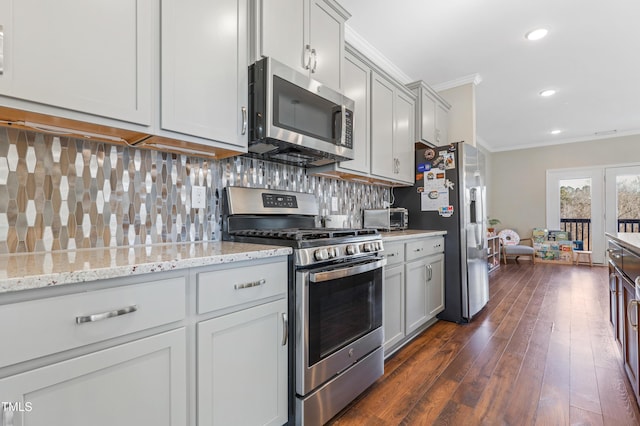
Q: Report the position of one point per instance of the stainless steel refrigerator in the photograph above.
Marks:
(450, 194)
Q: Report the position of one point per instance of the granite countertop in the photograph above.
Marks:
(35, 270)
(629, 239)
(409, 234)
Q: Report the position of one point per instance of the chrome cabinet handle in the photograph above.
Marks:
(315, 60)
(307, 57)
(419, 249)
(285, 329)
(632, 302)
(251, 284)
(1, 50)
(429, 272)
(105, 315)
(244, 120)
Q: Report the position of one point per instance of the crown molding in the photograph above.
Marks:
(373, 54)
(474, 79)
(547, 143)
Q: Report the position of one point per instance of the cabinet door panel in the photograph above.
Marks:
(94, 59)
(393, 308)
(356, 87)
(204, 68)
(325, 36)
(403, 137)
(137, 383)
(631, 336)
(234, 351)
(282, 34)
(435, 288)
(381, 126)
(442, 125)
(428, 118)
(416, 295)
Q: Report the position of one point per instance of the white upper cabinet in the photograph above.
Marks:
(357, 81)
(432, 115)
(306, 35)
(403, 136)
(204, 77)
(382, 160)
(96, 60)
(392, 131)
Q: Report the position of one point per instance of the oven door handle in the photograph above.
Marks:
(318, 277)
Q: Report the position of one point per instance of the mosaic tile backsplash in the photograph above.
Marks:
(59, 193)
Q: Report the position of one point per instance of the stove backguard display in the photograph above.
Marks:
(279, 200)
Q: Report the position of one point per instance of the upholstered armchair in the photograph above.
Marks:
(512, 246)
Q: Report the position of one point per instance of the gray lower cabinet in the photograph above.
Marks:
(424, 290)
(393, 308)
(242, 351)
(138, 383)
(205, 346)
(413, 288)
(242, 367)
(101, 357)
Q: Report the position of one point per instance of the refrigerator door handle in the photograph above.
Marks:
(479, 218)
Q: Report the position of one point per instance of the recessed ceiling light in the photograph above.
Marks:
(536, 34)
(548, 92)
(556, 132)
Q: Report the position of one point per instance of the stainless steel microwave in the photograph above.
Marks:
(386, 219)
(296, 120)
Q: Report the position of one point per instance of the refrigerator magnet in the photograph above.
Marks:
(429, 154)
(449, 160)
(424, 167)
(419, 176)
(448, 184)
(446, 211)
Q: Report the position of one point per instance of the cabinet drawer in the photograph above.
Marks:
(394, 252)
(41, 327)
(239, 284)
(424, 247)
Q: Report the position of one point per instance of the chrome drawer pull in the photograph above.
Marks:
(629, 305)
(244, 120)
(105, 315)
(251, 284)
(285, 329)
(419, 249)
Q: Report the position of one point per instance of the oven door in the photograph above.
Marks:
(339, 319)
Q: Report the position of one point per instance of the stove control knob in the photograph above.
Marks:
(321, 254)
(351, 249)
(333, 252)
(367, 247)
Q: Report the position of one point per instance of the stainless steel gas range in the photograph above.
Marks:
(335, 297)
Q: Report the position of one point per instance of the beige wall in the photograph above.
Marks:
(517, 179)
(462, 116)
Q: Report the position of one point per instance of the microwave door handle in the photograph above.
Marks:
(338, 117)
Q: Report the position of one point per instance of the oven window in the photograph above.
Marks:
(341, 311)
(302, 111)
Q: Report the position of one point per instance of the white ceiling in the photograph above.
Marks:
(591, 56)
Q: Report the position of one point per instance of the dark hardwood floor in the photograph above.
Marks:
(540, 353)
